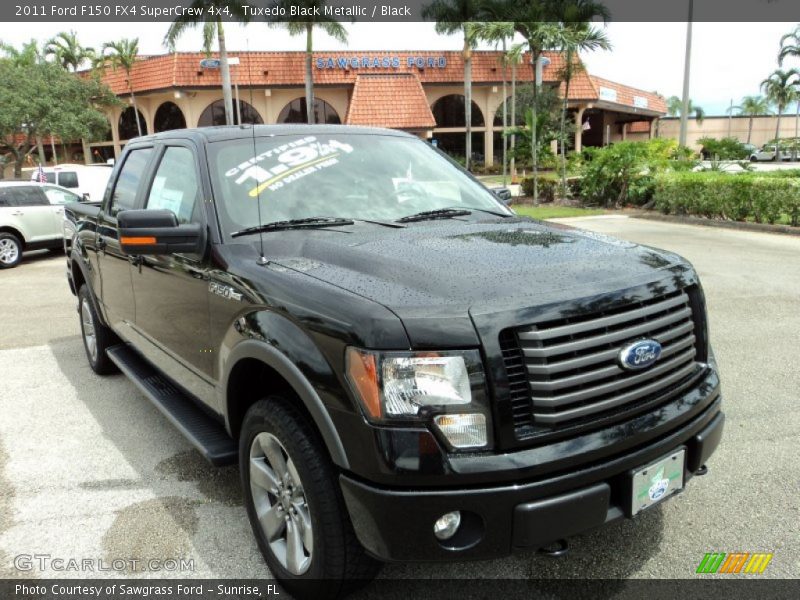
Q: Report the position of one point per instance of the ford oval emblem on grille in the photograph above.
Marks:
(639, 355)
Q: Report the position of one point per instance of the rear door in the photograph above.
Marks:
(116, 291)
(32, 212)
(58, 198)
(171, 291)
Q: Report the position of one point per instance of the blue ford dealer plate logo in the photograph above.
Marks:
(639, 355)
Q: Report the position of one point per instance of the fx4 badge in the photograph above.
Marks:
(225, 291)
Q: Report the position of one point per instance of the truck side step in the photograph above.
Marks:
(205, 434)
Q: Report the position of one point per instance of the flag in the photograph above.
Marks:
(586, 126)
(40, 176)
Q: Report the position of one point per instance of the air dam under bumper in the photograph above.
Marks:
(398, 524)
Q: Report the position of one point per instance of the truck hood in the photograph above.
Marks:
(445, 269)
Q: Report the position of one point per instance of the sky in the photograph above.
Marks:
(729, 60)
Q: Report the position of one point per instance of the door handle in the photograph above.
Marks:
(18, 213)
(101, 243)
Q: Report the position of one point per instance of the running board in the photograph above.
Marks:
(204, 433)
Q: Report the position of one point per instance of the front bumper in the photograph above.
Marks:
(397, 524)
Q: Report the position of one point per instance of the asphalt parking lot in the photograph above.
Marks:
(89, 469)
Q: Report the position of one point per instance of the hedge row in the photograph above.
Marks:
(764, 198)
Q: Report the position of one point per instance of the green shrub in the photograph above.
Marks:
(727, 148)
(624, 173)
(550, 187)
(762, 197)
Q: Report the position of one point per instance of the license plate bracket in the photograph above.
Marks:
(657, 481)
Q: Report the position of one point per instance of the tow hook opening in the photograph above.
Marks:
(556, 549)
(701, 471)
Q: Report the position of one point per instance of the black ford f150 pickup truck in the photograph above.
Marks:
(403, 368)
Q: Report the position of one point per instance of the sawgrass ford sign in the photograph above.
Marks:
(381, 62)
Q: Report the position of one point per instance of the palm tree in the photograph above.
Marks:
(790, 45)
(780, 88)
(675, 108)
(499, 32)
(454, 16)
(210, 15)
(123, 54)
(579, 37)
(542, 24)
(67, 51)
(753, 106)
(27, 56)
(514, 57)
(299, 27)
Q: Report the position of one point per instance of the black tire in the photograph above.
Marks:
(337, 563)
(10, 250)
(103, 337)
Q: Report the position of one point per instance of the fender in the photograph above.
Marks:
(275, 359)
(76, 259)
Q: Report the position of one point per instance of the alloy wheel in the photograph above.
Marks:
(280, 503)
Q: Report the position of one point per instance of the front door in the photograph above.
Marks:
(116, 291)
(171, 291)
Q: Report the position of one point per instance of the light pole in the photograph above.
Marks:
(541, 62)
(686, 66)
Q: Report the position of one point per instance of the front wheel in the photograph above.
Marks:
(295, 505)
(10, 250)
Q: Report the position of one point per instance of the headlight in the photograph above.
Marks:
(396, 387)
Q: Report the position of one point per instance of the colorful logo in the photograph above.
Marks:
(734, 563)
(639, 355)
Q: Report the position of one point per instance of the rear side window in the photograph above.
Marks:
(175, 185)
(130, 176)
(5, 198)
(68, 179)
(28, 195)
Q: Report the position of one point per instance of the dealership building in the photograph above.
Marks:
(420, 92)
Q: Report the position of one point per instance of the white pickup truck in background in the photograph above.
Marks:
(87, 181)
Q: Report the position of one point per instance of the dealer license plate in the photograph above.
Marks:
(657, 481)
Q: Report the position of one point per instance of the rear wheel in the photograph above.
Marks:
(10, 250)
(97, 338)
(295, 505)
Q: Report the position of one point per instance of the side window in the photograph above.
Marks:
(30, 196)
(57, 196)
(175, 186)
(6, 198)
(124, 197)
(68, 179)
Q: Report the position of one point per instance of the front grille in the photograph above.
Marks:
(566, 371)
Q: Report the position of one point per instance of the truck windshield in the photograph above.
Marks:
(352, 176)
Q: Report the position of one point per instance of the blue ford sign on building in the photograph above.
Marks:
(639, 355)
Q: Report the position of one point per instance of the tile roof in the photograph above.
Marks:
(395, 100)
(625, 95)
(276, 69)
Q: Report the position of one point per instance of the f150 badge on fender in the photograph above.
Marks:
(639, 355)
(225, 291)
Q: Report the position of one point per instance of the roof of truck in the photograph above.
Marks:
(228, 132)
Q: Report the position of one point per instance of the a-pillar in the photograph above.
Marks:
(579, 128)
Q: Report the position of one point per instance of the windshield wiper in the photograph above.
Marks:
(439, 213)
(309, 222)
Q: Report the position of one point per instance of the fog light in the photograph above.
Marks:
(463, 431)
(447, 525)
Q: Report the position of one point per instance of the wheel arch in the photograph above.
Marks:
(15, 232)
(255, 360)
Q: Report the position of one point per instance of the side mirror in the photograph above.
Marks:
(502, 193)
(156, 232)
(85, 197)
